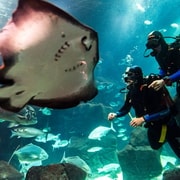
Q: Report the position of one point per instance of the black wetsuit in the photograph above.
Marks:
(169, 62)
(154, 106)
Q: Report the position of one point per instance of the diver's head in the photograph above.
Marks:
(155, 38)
(133, 76)
(156, 42)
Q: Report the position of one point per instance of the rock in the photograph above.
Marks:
(63, 171)
(172, 174)
(138, 160)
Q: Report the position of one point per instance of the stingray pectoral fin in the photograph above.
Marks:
(18, 98)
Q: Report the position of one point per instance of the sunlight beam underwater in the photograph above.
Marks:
(47, 58)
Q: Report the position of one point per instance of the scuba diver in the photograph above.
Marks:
(168, 58)
(154, 109)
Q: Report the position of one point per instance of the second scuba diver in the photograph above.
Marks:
(154, 109)
(168, 58)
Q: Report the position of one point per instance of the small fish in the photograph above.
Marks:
(109, 168)
(27, 116)
(26, 132)
(94, 149)
(120, 124)
(31, 153)
(125, 138)
(121, 135)
(100, 131)
(47, 137)
(122, 130)
(60, 143)
(46, 111)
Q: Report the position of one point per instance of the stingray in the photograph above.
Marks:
(47, 58)
(9, 172)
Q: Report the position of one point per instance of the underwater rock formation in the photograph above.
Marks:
(172, 174)
(138, 160)
(63, 171)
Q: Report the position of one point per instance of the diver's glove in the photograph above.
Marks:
(111, 116)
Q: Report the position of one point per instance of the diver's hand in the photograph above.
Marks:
(111, 116)
(137, 122)
(167, 81)
(157, 84)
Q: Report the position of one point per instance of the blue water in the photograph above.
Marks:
(122, 27)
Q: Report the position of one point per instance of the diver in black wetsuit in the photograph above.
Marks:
(154, 109)
(168, 58)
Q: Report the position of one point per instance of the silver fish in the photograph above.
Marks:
(26, 132)
(60, 143)
(94, 149)
(27, 116)
(77, 161)
(47, 137)
(100, 131)
(31, 153)
(109, 168)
